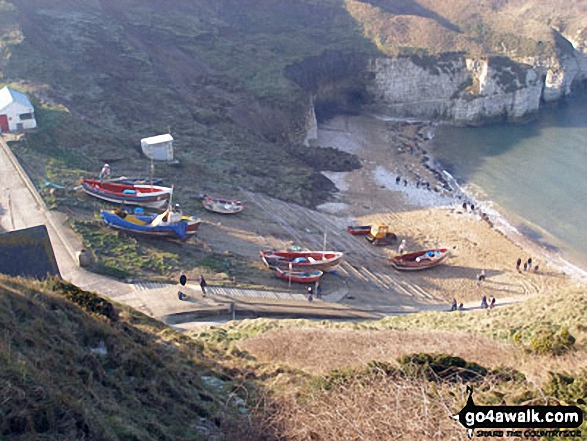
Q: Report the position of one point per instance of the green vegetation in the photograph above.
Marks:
(123, 256)
(69, 373)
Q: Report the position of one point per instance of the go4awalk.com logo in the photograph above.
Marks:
(521, 421)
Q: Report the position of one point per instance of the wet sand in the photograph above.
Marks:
(399, 184)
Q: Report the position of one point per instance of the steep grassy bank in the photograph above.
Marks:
(73, 367)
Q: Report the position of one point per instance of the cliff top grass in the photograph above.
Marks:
(517, 324)
(74, 366)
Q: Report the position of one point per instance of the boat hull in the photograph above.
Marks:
(419, 260)
(361, 230)
(302, 260)
(151, 196)
(147, 225)
(299, 277)
(222, 206)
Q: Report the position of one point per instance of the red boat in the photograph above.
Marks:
(153, 196)
(419, 260)
(298, 276)
(302, 260)
(361, 230)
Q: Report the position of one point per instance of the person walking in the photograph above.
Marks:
(480, 277)
(203, 285)
(518, 263)
(491, 301)
(484, 302)
(453, 306)
(529, 263)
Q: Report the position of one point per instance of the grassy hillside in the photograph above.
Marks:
(73, 366)
(148, 382)
(108, 73)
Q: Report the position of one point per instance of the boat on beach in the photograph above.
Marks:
(152, 196)
(359, 230)
(222, 206)
(302, 260)
(419, 260)
(135, 180)
(169, 223)
(298, 276)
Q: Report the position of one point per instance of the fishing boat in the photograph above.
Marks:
(153, 196)
(361, 230)
(222, 206)
(169, 223)
(419, 260)
(298, 276)
(302, 260)
(135, 180)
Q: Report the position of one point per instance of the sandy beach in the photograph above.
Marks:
(424, 207)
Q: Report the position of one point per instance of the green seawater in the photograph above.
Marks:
(537, 172)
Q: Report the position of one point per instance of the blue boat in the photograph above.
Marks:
(168, 223)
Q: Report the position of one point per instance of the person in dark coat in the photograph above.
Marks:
(453, 306)
(518, 263)
(203, 285)
(484, 302)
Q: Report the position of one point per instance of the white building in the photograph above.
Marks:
(158, 148)
(16, 111)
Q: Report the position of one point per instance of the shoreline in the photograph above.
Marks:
(397, 160)
(505, 222)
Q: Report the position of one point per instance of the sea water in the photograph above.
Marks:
(537, 172)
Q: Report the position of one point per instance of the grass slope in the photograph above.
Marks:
(151, 383)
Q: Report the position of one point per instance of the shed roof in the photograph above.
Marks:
(9, 96)
(28, 253)
(157, 139)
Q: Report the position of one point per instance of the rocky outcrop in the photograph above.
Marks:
(454, 88)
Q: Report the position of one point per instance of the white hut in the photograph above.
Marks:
(158, 148)
(16, 111)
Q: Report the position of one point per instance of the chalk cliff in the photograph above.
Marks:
(451, 86)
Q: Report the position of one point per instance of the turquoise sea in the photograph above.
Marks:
(535, 172)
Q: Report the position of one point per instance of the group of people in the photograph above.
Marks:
(470, 204)
(314, 289)
(183, 280)
(485, 304)
(454, 307)
(527, 265)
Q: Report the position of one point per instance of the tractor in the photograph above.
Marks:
(380, 235)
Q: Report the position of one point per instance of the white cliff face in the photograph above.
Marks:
(579, 42)
(463, 90)
(404, 89)
(311, 124)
